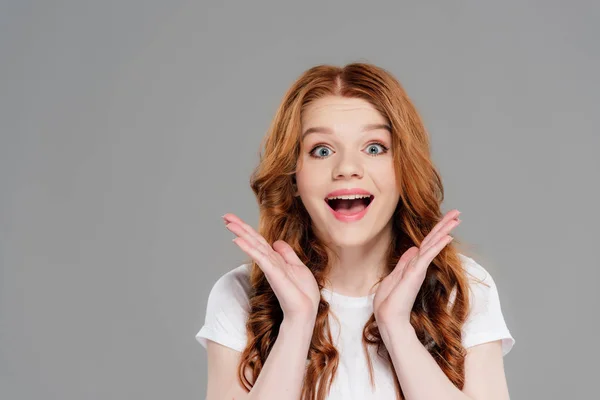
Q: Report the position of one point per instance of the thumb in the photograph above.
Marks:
(405, 259)
(409, 254)
(286, 251)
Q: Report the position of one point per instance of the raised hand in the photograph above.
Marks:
(397, 292)
(292, 282)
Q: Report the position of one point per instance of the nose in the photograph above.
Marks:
(347, 167)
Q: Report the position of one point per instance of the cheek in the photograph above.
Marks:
(307, 187)
(312, 177)
(383, 173)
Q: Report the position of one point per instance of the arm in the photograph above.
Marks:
(421, 377)
(282, 374)
(298, 294)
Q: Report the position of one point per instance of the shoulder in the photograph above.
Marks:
(227, 309)
(485, 321)
(235, 282)
(476, 273)
(479, 279)
(482, 287)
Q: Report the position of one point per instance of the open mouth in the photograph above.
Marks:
(350, 206)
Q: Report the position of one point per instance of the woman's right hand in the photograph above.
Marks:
(292, 282)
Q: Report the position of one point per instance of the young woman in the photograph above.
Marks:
(354, 289)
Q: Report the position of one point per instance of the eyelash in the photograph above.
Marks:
(384, 147)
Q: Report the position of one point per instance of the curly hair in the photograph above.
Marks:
(442, 304)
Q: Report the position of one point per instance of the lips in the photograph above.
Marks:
(341, 192)
(348, 210)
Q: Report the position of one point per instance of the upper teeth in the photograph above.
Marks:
(350, 196)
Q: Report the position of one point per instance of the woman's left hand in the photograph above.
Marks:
(396, 294)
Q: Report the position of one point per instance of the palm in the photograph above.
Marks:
(383, 301)
(292, 282)
(297, 280)
(303, 278)
(397, 292)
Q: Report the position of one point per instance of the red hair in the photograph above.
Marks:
(436, 318)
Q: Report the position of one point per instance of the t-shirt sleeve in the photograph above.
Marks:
(227, 310)
(485, 322)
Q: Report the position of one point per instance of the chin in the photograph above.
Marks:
(349, 244)
(350, 238)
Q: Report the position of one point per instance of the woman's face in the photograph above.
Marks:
(346, 146)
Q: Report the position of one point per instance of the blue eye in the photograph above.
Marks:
(321, 153)
(374, 146)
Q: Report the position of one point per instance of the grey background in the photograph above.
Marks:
(129, 127)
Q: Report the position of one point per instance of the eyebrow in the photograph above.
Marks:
(368, 127)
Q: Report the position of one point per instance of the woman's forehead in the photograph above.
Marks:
(340, 113)
(338, 103)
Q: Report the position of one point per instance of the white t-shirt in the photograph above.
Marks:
(228, 307)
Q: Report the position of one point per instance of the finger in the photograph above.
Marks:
(440, 233)
(275, 259)
(261, 259)
(287, 252)
(408, 255)
(435, 249)
(251, 239)
(406, 259)
(251, 236)
(234, 218)
(450, 215)
(251, 231)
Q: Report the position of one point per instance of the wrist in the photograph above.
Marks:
(397, 331)
(305, 323)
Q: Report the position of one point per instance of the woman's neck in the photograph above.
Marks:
(355, 270)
